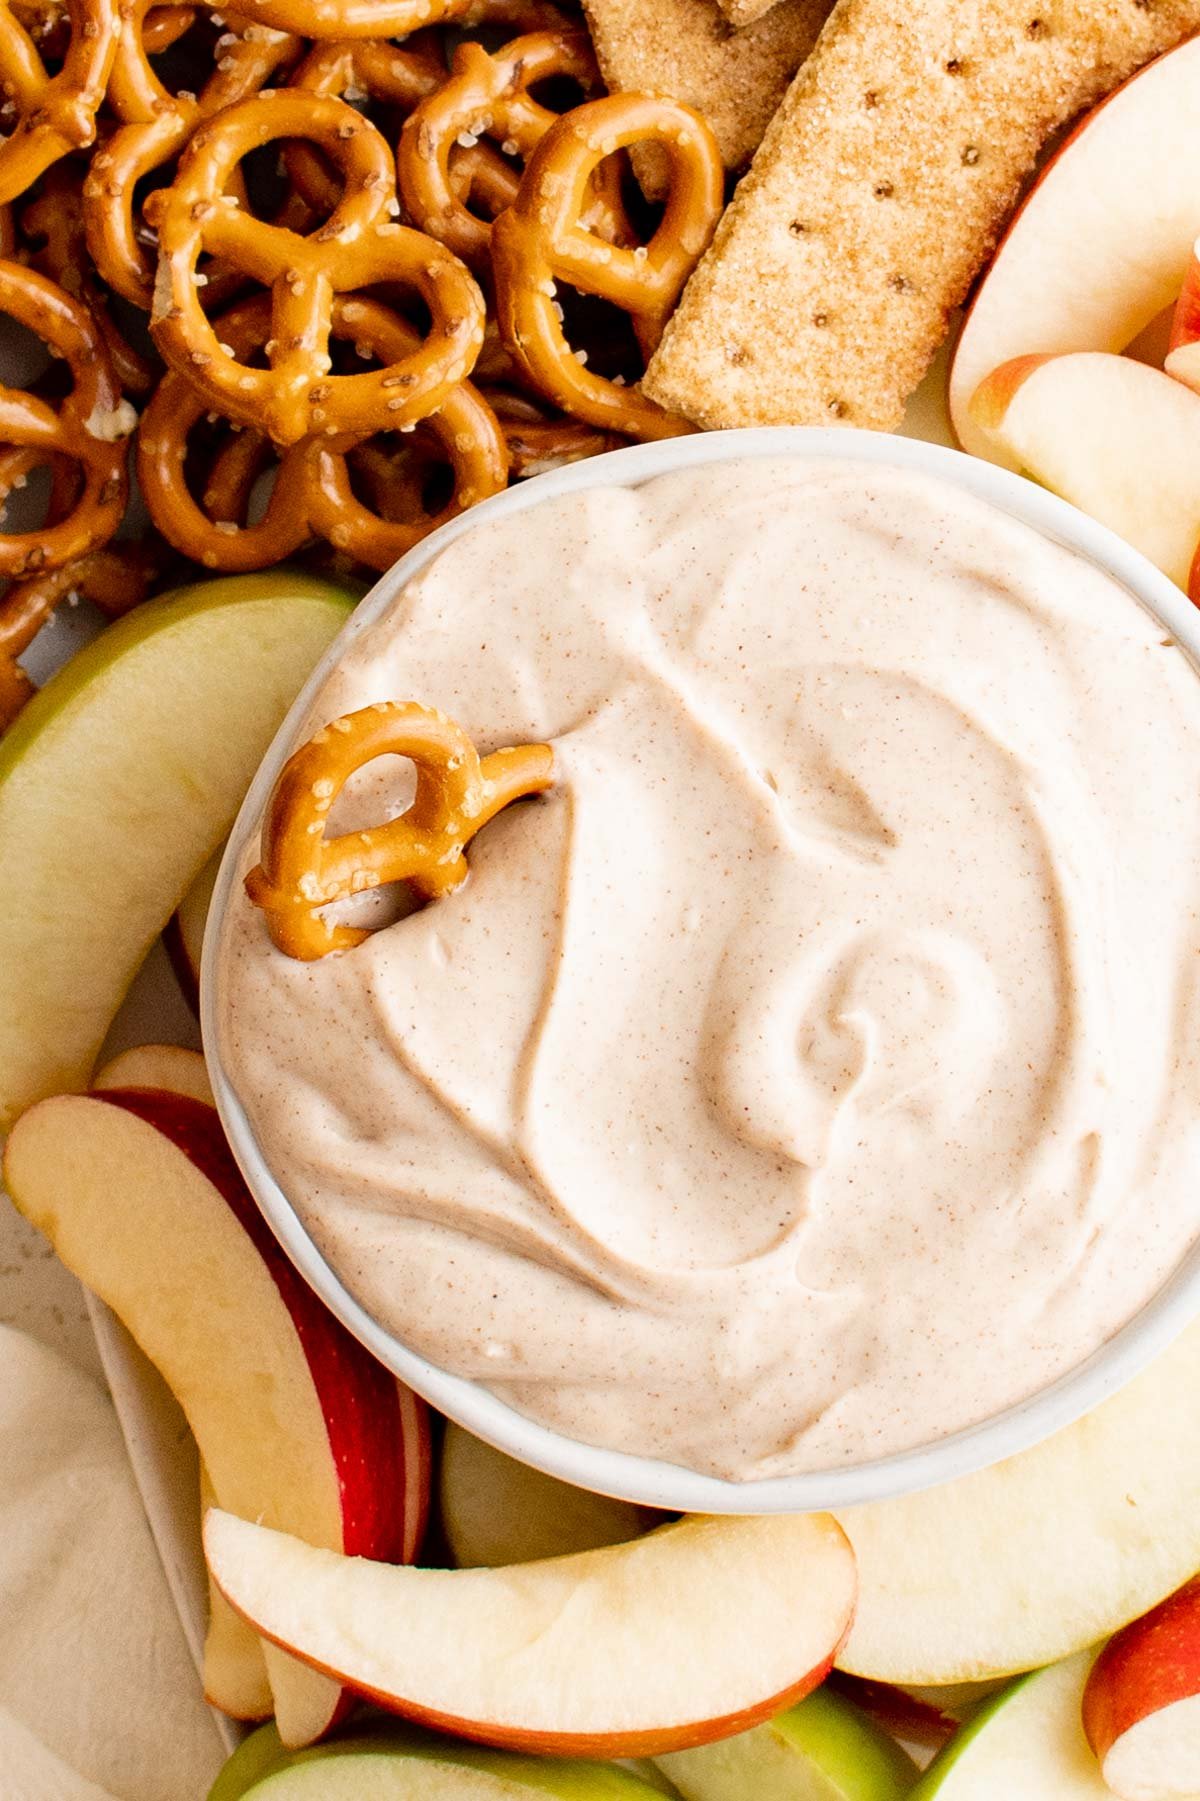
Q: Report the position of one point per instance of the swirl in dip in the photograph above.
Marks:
(816, 1069)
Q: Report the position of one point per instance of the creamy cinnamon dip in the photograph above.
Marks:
(816, 1069)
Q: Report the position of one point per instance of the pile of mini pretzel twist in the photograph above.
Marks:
(320, 273)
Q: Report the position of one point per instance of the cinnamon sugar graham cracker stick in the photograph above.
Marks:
(878, 192)
(687, 50)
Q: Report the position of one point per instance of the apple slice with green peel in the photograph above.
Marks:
(1042, 1555)
(696, 1631)
(167, 1068)
(296, 1423)
(1026, 1744)
(822, 1750)
(1118, 439)
(391, 1764)
(1141, 1706)
(1100, 246)
(495, 1510)
(183, 934)
(117, 783)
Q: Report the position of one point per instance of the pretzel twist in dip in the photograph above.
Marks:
(114, 579)
(47, 116)
(491, 95)
(457, 793)
(541, 239)
(359, 245)
(313, 493)
(85, 435)
(156, 124)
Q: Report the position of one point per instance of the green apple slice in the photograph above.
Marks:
(394, 1764)
(497, 1511)
(117, 783)
(822, 1750)
(1027, 1742)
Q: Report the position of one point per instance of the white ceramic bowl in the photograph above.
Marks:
(644, 1479)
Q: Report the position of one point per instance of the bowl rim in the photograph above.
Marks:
(651, 1481)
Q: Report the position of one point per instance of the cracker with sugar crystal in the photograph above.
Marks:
(688, 50)
(877, 194)
(744, 12)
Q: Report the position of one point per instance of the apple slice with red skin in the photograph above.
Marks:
(1100, 246)
(296, 1423)
(167, 1068)
(1118, 439)
(1141, 1706)
(1183, 353)
(235, 1670)
(701, 1629)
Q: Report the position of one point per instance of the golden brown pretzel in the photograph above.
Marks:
(540, 240)
(359, 245)
(491, 95)
(391, 75)
(53, 223)
(456, 794)
(313, 492)
(156, 125)
(87, 431)
(351, 18)
(114, 579)
(539, 439)
(46, 116)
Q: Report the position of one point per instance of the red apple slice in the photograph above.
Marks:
(1118, 439)
(1183, 353)
(1141, 1706)
(166, 1067)
(1102, 242)
(296, 1423)
(697, 1631)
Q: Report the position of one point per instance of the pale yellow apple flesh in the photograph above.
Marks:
(696, 1631)
(1042, 1555)
(169, 1068)
(1102, 243)
(235, 1670)
(1026, 1745)
(296, 1424)
(495, 1510)
(1118, 439)
(117, 783)
(821, 1750)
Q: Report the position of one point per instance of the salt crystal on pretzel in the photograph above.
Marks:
(878, 192)
(685, 49)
